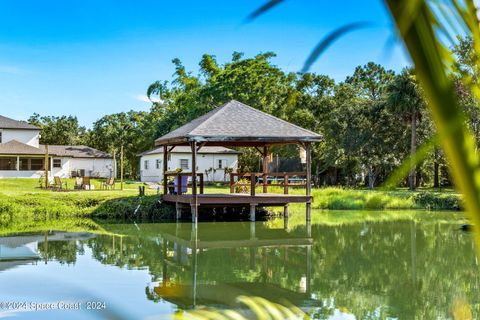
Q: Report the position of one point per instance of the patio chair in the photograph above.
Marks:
(109, 183)
(177, 184)
(86, 184)
(58, 184)
(78, 183)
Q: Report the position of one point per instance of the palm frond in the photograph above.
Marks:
(266, 7)
(330, 38)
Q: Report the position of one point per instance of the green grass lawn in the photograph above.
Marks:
(25, 198)
(337, 198)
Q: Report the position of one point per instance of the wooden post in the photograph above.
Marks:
(201, 182)
(265, 169)
(179, 210)
(308, 150)
(121, 167)
(252, 184)
(285, 211)
(193, 146)
(232, 188)
(286, 225)
(114, 164)
(165, 169)
(252, 211)
(285, 184)
(45, 166)
(179, 184)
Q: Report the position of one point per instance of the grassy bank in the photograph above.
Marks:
(23, 197)
(347, 199)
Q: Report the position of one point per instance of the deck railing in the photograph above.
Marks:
(178, 181)
(280, 179)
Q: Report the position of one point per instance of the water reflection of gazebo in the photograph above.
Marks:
(186, 245)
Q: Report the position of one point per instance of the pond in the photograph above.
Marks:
(421, 266)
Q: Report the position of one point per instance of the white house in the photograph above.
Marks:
(211, 161)
(22, 155)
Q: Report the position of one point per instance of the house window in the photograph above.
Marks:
(8, 163)
(158, 163)
(32, 164)
(221, 163)
(57, 163)
(183, 163)
(36, 164)
(1, 136)
(24, 164)
(145, 164)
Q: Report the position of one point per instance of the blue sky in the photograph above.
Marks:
(90, 58)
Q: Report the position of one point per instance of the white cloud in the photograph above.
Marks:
(144, 98)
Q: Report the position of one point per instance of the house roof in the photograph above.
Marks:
(7, 123)
(75, 151)
(187, 149)
(18, 148)
(235, 123)
(14, 147)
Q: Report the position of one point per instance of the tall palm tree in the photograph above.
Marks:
(405, 99)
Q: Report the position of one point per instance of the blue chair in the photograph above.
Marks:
(184, 184)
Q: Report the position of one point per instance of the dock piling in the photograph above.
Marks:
(179, 211)
(309, 211)
(252, 211)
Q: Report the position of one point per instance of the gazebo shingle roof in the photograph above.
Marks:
(7, 123)
(237, 122)
(187, 149)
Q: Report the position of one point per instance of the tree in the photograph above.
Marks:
(63, 130)
(129, 129)
(374, 129)
(405, 99)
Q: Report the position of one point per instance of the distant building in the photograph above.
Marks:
(211, 161)
(22, 155)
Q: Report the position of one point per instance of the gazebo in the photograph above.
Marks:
(235, 124)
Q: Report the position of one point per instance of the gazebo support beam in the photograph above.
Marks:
(165, 169)
(193, 146)
(265, 169)
(308, 149)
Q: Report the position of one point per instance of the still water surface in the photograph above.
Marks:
(405, 269)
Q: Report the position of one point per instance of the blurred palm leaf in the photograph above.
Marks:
(331, 38)
(432, 64)
(423, 25)
(413, 160)
(266, 7)
(256, 308)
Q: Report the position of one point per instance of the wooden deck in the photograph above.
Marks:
(260, 199)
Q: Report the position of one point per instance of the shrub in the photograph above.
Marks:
(375, 202)
(438, 201)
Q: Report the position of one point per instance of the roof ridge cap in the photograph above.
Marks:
(218, 110)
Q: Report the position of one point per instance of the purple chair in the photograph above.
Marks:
(184, 184)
